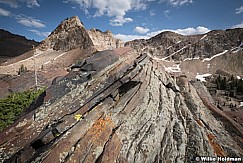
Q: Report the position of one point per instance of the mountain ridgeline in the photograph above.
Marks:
(194, 46)
(12, 45)
(119, 104)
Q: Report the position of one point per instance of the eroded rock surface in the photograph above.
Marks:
(70, 34)
(104, 40)
(120, 106)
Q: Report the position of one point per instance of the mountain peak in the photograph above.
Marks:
(69, 34)
(68, 24)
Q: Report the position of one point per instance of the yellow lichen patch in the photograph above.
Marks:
(100, 126)
(78, 117)
(219, 151)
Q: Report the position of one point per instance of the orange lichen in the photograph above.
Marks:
(100, 126)
(217, 148)
(199, 122)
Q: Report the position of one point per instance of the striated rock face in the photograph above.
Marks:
(120, 106)
(104, 40)
(172, 46)
(70, 34)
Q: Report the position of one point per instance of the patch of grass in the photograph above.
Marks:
(14, 104)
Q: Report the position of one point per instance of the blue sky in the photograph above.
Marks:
(127, 19)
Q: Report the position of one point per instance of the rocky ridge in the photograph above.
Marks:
(173, 46)
(120, 106)
(196, 54)
(12, 45)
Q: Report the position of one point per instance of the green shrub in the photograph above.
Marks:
(14, 104)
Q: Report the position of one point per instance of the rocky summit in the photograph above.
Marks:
(121, 105)
(70, 34)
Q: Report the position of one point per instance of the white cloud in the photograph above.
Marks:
(166, 13)
(15, 3)
(141, 30)
(29, 21)
(32, 3)
(116, 9)
(4, 12)
(119, 21)
(129, 37)
(192, 31)
(186, 31)
(238, 25)
(176, 3)
(239, 10)
(152, 13)
(39, 33)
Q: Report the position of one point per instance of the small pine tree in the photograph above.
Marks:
(22, 69)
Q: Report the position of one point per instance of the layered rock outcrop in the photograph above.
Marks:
(104, 40)
(120, 106)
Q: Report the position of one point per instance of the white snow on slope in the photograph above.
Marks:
(169, 47)
(238, 77)
(189, 59)
(219, 54)
(202, 77)
(203, 37)
(174, 53)
(174, 68)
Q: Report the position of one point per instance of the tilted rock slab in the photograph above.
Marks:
(131, 111)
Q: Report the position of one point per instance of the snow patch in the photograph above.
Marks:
(208, 65)
(189, 59)
(174, 68)
(202, 77)
(174, 53)
(241, 104)
(219, 54)
(203, 37)
(169, 47)
(59, 56)
(238, 77)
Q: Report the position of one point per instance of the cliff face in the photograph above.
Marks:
(172, 46)
(120, 106)
(12, 45)
(70, 34)
(104, 40)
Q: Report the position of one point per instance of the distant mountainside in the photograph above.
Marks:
(173, 46)
(205, 53)
(12, 45)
